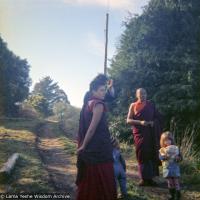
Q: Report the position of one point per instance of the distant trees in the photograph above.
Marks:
(14, 80)
(45, 95)
(38, 103)
(15, 83)
(160, 51)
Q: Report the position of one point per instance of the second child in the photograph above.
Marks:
(119, 168)
(170, 156)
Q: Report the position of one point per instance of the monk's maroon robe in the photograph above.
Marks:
(146, 141)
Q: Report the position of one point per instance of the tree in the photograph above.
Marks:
(14, 80)
(39, 103)
(159, 50)
(50, 90)
(68, 117)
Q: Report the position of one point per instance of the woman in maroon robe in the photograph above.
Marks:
(146, 126)
(95, 177)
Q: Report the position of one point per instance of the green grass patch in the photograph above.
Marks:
(69, 146)
(190, 172)
(29, 175)
(135, 193)
(66, 143)
(128, 151)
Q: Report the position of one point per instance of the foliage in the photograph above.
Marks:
(39, 103)
(190, 166)
(48, 93)
(120, 129)
(159, 51)
(14, 80)
(68, 116)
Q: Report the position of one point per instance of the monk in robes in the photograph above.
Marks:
(146, 126)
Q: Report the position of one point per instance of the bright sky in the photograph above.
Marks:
(64, 39)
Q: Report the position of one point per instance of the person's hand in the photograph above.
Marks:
(144, 123)
(81, 148)
(110, 83)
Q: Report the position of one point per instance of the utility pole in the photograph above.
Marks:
(106, 45)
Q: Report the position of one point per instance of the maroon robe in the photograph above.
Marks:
(146, 140)
(95, 177)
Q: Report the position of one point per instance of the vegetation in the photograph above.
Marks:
(17, 135)
(159, 50)
(190, 166)
(68, 116)
(14, 80)
(45, 94)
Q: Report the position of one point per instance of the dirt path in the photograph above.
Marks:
(160, 192)
(59, 165)
(157, 193)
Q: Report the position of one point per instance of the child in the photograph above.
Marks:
(170, 156)
(119, 167)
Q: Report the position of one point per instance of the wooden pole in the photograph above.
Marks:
(106, 45)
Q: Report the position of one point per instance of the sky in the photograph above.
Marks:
(64, 39)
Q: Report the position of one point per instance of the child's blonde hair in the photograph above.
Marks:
(164, 136)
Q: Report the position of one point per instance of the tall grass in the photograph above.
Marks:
(187, 142)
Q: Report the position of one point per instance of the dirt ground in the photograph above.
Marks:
(61, 169)
(59, 165)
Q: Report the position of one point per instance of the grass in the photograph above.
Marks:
(190, 166)
(190, 174)
(64, 139)
(29, 174)
(69, 146)
(18, 135)
(134, 192)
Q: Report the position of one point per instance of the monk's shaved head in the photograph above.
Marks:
(141, 94)
(141, 90)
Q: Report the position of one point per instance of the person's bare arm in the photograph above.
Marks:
(97, 114)
(130, 119)
(111, 88)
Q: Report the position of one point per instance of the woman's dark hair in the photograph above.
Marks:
(98, 81)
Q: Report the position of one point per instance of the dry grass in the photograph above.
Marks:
(190, 166)
(29, 174)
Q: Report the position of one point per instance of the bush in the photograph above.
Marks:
(120, 129)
